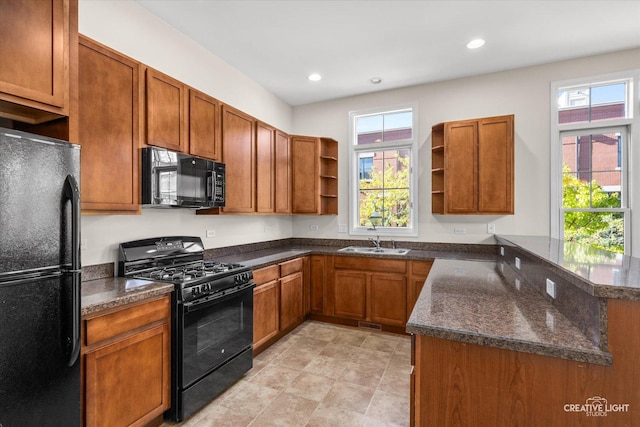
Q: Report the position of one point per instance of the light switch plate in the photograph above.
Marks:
(342, 228)
(518, 263)
(211, 233)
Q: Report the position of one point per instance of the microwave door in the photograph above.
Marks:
(188, 182)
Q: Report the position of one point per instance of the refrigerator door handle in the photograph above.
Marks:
(72, 192)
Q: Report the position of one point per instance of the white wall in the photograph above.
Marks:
(523, 92)
(128, 28)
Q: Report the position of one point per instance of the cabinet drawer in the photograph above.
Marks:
(266, 274)
(370, 264)
(290, 267)
(421, 268)
(113, 324)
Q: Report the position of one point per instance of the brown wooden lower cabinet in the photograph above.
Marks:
(127, 356)
(280, 301)
(291, 304)
(266, 305)
(460, 384)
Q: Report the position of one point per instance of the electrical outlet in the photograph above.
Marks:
(211, 233)
(83, 244)
(267, 229)
(342, 228)
(551, 288)
(502, 250)
(459, 230)
(518, 284)
(313, 227)
(518, 263)
(551, 321)
(491, 228)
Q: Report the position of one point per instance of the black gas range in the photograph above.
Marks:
(212, 313)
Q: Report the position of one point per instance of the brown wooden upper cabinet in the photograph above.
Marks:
(166, 111)
(34, 50)
(282, 173)
(204, 126)
(272, 170)
(265, 168)
(314, 182)
(473, 166)
(238, 154)
(109, 117)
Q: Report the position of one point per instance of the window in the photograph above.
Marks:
(382, 174)
(592, 124)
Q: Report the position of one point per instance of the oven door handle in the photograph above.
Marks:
(190, 307)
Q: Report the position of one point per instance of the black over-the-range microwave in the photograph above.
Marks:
(176, 180)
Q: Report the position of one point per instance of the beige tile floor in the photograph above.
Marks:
(319, 375)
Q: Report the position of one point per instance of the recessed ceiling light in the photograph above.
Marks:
(375, 80)
(314, 77)
(476, 43)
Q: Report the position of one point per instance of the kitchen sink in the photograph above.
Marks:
(371, 250)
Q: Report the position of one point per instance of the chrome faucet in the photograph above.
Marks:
(376, 241)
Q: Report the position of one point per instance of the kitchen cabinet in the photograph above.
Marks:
(204, 126)
(314, 180)
(37, 58)
(109, 117)
(238, 153)
(282, 173)
(363, 289)
(266, 305)
(127, 364)
(291, 293)
(265, 168)
(166, 111)
(472, 167)
(419, 270)
(279, 300)
(317, 281)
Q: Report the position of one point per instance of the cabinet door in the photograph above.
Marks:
(495, 165)
(109, 117)
(419, 272)
(266, 312)
(238, 153)
(34, 47)
(204, 126)
(265, 168)
(305, 175)
(166, 111)
(291, 300)
(350, 292)
(282, 174)
(317, 283)
(461, 167)
(388, 299)
(127, 382)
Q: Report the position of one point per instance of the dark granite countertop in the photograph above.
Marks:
(102, 294)
(469, 301)
(601, 273)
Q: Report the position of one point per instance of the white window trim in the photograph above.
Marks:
(631, 156)
(354, 228)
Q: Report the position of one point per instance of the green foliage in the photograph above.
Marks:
(386, 192)
(604, 230)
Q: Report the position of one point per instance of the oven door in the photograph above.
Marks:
(215, 329)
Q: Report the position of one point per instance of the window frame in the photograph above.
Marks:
(354, 182)
(630, 157)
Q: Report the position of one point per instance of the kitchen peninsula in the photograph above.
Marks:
(493, 344)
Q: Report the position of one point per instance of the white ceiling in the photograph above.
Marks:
(279, 43)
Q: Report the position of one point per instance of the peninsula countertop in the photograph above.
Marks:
(471, 301)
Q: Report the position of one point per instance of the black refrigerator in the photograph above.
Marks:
(39, 281)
